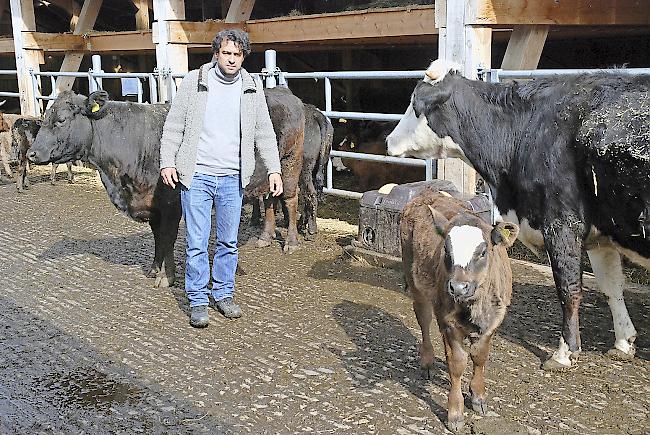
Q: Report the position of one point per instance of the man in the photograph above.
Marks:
(217, 121)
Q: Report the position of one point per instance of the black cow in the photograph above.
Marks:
(122, 140)
(566, 157)
(288, 118)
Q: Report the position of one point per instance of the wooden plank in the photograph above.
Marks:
(555, 12)
(321, 28)
(170, 58)
(72, 61)
(525, 47)
(469, 46)
(22, 19)
(142, 16)
(239, 10)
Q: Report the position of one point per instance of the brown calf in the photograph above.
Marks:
(456, 265)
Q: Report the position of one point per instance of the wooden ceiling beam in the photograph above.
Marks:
(321, 28)
(239, 11)
(554, 12)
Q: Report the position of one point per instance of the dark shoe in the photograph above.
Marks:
(199, 316)
(228, 308)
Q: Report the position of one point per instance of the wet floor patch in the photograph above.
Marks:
(89, 388)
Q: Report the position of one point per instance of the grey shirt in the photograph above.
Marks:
(218, 150)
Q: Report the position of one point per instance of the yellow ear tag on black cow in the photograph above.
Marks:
(505, 233)
(94, 108)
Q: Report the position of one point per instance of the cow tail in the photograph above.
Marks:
(327, 135)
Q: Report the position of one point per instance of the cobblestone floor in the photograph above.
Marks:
(326, 344)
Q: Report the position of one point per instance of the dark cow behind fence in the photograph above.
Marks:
(567, 158)
(288, 118)
(456, 266)
(370, 137)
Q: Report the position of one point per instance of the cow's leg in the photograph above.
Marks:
(563, 240)
(5, 160)
(268, 232)
(165, 230)
(606, 263)
(53, 174)
(291, 243)
(310, 196)
(256, 215)
(70, 173)
(424, 313)
(479, 351)
(21, 173)
(456, 362)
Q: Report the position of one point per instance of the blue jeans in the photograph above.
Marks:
(224, 193)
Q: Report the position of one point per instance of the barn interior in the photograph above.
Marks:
(314, 35)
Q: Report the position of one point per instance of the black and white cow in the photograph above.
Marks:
(566, 158)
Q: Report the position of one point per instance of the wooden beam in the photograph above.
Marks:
(469, 46)
(575, 12)
(23, 19)
(525, 47)
(322, 28)
(72, 60)
(239, 10)
(142, 16)
(170, 57)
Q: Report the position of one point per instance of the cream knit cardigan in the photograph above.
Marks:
(185, 120)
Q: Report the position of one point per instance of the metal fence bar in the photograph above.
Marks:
(546, 73)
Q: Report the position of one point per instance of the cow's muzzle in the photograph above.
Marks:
(37, 158)
(461, 290)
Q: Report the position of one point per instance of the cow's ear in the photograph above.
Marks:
(505, 233)
(427, 96)
(440, 222)
(95, 105)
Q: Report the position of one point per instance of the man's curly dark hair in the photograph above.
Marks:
(239, 37)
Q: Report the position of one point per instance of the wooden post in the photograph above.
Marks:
(170, 58)
(72, 60)
(239, 10)
(142, 16)
(22, 19)
(469, 46)
(525, 47)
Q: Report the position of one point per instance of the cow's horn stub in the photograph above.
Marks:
(433, 75)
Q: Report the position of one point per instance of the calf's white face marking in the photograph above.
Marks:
(464, 240)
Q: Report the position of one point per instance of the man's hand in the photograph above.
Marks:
(170, 177)
(275, 184)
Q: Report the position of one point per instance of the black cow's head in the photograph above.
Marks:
(415, 135)
(470, 252)
(66, 132)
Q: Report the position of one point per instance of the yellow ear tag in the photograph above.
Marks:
(351, 144)
(94, 108)
(505, 233)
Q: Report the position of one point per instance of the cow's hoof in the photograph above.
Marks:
(153, 273)
(455, 425)
(479, 405)
(618, 354)
(310, 237)
(290, 249)
(552, 365)
(263, 243)
(164, 281)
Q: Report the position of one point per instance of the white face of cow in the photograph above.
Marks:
(464, 243)
(414, 137)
